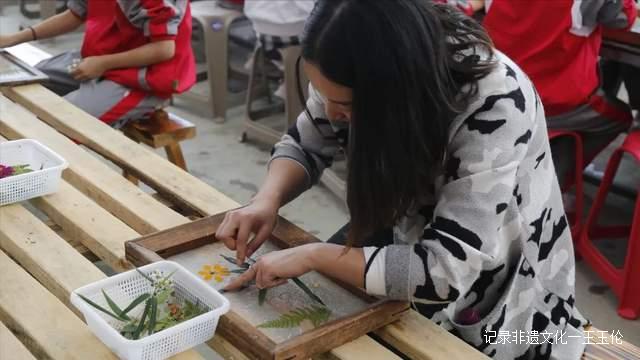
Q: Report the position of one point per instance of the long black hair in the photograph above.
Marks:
(412, 66)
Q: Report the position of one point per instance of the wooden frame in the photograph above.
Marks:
(31, 74)
(239, 331)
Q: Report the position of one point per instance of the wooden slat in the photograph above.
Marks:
(362, 348)
(45, 325)
(83, 250)
(601, 346)
(226, 349)
(86, 222)
(420, 338)
(89, 175)
(49, 258)
(11, 347)
(141, 162)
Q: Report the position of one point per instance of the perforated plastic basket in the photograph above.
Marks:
(47, 169)
(124, 288)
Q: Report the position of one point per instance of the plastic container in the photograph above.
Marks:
(47, 169)
(124, 288)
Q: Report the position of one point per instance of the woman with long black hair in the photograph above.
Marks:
(453, 201)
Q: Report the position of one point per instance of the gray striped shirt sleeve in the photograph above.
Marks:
(313, 146)
(78, 7)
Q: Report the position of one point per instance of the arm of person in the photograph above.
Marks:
(297, 162)
(335, 261)
(468, 231)
(62, 23)
(616, 14)
(148, 54)
(465, 234)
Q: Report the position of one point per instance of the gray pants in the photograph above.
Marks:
(108, 101)
(597, 130)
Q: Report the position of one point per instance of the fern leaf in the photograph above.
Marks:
(316, 314)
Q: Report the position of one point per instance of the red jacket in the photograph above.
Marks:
(557, 43)
(114, 26)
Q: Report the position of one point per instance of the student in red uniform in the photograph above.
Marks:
(557, 44)
(135, 55)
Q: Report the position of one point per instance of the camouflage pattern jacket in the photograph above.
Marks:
(494, 236)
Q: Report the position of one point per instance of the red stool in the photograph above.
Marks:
(624, 282)
(576, 216)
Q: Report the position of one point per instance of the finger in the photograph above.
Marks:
(227, 234)
(219, 231)
(239, 281)
(268, 279)
(259, 239)
(260, 277)
(241, 241)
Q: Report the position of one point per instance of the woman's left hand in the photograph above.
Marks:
(89, 68)
(277, 267)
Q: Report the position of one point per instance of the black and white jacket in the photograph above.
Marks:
(493, 238)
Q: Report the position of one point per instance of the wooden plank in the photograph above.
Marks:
(50, 259)
(90, 175)
(420, 338)
(85, 222)
(226, 349)
(11, 347)
(158, 173)
(47, 328)
(601, 346)
(362, 348)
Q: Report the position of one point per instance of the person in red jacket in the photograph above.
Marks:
(135, 55)
(557, 44)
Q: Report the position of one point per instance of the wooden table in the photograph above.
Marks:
(95, 211)
(622, 46)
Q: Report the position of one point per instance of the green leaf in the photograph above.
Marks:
(114, 306)
(262, 295)
(144, 275)
(21, 169)
(306, 289)
(154, 315)
(136, 334)
(316, 314)
(129, 328)
(163, 296)
(135, 303)
(244, 265)
(98, 307)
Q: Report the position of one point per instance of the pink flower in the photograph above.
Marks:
(5, 171)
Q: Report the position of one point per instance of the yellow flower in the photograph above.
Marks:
(217, 272)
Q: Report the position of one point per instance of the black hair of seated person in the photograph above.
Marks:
(404, 61)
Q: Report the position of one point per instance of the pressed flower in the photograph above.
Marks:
(217, 272)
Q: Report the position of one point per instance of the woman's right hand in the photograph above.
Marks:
(258, 217)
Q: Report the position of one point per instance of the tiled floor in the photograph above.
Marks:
(217, 157)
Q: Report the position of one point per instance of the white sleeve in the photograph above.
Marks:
(374, 273)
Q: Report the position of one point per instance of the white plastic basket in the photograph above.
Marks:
(47, 169)
(124, 288)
